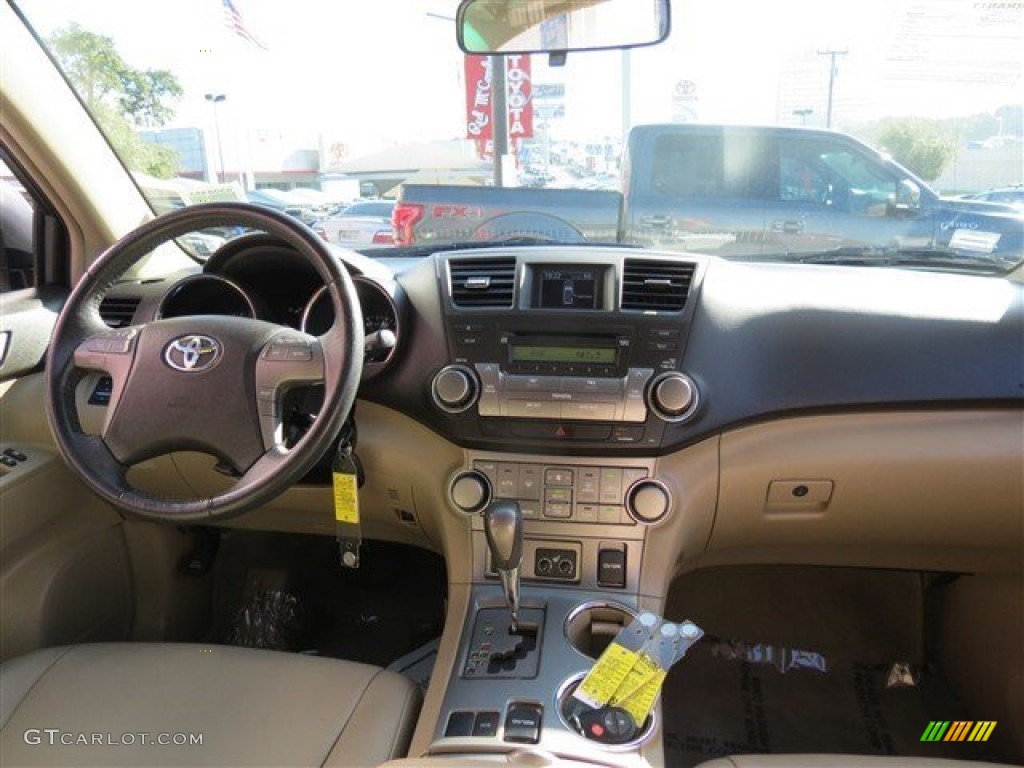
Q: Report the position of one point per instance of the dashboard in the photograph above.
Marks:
(624, 352)
(649, 411)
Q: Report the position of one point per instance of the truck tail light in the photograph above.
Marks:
(404, 217)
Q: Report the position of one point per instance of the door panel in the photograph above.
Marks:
(64, 568)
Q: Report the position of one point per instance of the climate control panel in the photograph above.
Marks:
(601, 495)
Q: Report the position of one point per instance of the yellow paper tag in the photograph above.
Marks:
(605, 677)
(645, 670)
(640, 703)
(346, 498)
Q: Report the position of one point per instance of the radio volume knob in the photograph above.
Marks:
(454, 388)
(673, 396)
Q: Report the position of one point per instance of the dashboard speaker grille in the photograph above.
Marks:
(648, 284)
(483, 282)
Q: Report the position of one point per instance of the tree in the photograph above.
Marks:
(919, 146)
(120, 97)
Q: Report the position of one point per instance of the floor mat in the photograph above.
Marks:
(288, 592)
(735, 698)
(853, 614)
(764, 697)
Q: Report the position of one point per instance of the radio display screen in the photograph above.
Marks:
(567, 287)
(557, 354)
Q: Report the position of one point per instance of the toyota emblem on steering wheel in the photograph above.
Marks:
(192, 353)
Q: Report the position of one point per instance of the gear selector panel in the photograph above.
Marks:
(495, 651)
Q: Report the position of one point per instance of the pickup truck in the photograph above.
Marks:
(738, 192)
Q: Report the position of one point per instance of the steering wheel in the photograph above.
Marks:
(206, 383)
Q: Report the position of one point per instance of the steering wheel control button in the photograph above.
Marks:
(611, 566)
(121, 341)
(486, 724)
(459, 724)
(470, 491)
(454, 388)
(193, 353)
(522, 722)
(648, 501)
(673, 397)
(288, 349)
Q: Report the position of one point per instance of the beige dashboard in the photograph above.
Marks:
(928, 490)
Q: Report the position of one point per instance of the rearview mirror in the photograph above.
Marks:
(557, 26)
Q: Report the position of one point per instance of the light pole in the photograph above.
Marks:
(803, 113)
(215, 99)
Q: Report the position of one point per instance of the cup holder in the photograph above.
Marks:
(591, 627)
(569, 708)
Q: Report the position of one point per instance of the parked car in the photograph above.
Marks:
(300, 505)
(1009, 195)
(360, 225)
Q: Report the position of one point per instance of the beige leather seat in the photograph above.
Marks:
(81, 705)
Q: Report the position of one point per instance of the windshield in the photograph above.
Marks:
(777, 130)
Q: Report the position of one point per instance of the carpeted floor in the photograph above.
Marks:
(288, 592)
(800, 660)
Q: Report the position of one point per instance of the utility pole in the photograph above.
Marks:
(627, 92)
(833, 70)
(499, 116)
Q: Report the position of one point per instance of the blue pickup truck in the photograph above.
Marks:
(740, 192)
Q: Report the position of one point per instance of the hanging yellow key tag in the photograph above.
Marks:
(345, 477)
(639, 692)
(615, 663)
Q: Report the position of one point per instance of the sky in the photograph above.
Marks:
(378, 72)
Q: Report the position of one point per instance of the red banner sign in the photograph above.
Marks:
(520, 97)
(479, 101)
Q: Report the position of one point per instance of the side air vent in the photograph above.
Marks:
(656, 285)
(119, 311)
(482, 282)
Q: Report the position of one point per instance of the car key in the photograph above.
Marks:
(607, 725)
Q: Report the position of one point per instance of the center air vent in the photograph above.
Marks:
(656, 285)
(118, 311)
(482, 282)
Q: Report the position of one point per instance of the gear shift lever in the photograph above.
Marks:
(503, 525)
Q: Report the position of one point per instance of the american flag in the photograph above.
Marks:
(233, 19)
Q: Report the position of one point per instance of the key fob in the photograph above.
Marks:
(607, 725)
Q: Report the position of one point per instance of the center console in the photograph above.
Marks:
(584, 524)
